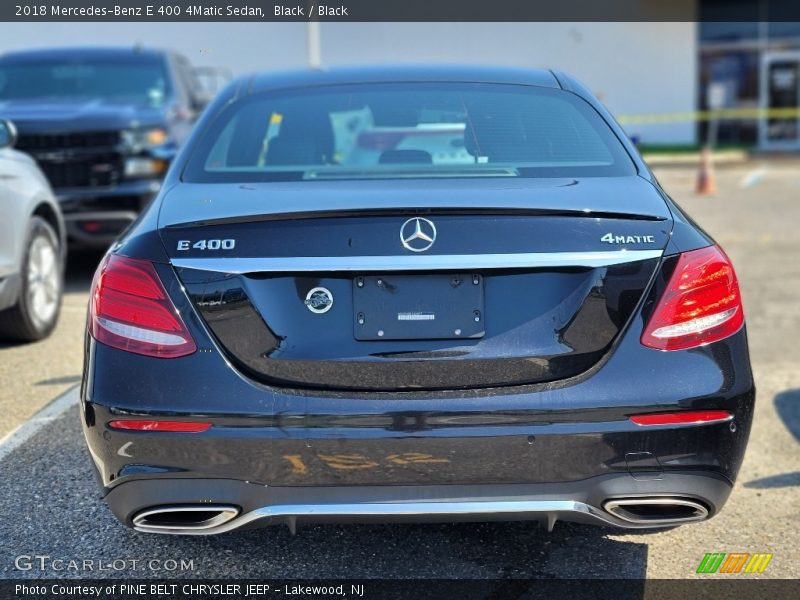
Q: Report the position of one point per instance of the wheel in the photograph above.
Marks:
(35, 314)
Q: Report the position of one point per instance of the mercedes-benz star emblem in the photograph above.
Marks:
(319, 300)
(417, 234)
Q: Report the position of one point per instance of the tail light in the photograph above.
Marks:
(129, 309)
(701, 304)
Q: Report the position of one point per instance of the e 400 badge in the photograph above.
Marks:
(184, 245)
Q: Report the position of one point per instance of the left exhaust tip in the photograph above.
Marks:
(184, 519)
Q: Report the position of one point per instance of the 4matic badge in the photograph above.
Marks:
(610, 238)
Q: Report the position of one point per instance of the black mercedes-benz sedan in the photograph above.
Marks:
(414, 294)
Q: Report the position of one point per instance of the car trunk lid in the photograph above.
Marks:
(323, 289)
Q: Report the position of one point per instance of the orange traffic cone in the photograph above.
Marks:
(706, 179)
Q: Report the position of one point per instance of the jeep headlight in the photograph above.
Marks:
(137, 140)
(148, 151)
(141, 166)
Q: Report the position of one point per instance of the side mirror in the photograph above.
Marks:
(8, 134)
(212, 79)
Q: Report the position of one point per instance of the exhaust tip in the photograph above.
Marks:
(184, 518)
(657, 511)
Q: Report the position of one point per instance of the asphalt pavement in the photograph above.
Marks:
(50, 505)
(31, 375)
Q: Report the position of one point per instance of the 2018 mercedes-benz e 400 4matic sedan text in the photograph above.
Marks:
(414, 293)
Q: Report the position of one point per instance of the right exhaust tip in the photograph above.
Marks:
(666, 510)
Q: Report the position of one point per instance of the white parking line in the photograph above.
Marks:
(753, 177)
(16, 437)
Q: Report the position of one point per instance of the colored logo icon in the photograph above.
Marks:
(734, 562)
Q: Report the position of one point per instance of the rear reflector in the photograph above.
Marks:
(701, 304)
(682, 418)
(173, 426)
(90, 226)
(130, 310)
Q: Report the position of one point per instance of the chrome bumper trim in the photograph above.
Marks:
(547, 511)
(417, 262)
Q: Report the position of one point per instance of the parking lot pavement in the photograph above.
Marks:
(49, 504)
(33, 374)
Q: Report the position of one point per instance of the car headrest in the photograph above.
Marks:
(302, 140)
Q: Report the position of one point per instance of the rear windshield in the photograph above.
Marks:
(141, 81)
(407, 130)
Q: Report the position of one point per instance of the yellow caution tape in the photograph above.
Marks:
(711, 115)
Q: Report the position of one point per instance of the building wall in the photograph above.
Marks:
(636, 68)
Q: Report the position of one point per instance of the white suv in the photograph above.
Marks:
(32, 246)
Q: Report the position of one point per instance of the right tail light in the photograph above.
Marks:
(701, 304)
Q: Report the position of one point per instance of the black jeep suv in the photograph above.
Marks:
(103, 124)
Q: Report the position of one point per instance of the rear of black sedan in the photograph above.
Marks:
(425, 294)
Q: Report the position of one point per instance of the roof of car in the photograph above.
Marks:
(79, 52)
(401, 73)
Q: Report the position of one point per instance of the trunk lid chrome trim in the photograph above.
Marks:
(415, 262)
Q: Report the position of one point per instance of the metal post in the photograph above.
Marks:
(314, 51)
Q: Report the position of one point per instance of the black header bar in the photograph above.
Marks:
(399, 10)
(738, 588)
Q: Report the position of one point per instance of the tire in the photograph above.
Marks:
(35, 314)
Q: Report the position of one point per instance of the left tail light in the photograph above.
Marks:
(129, 309)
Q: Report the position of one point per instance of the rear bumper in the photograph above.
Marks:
(253, 505)
(10, 286)
(294, 455)
(412, 449)
(110, 210)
